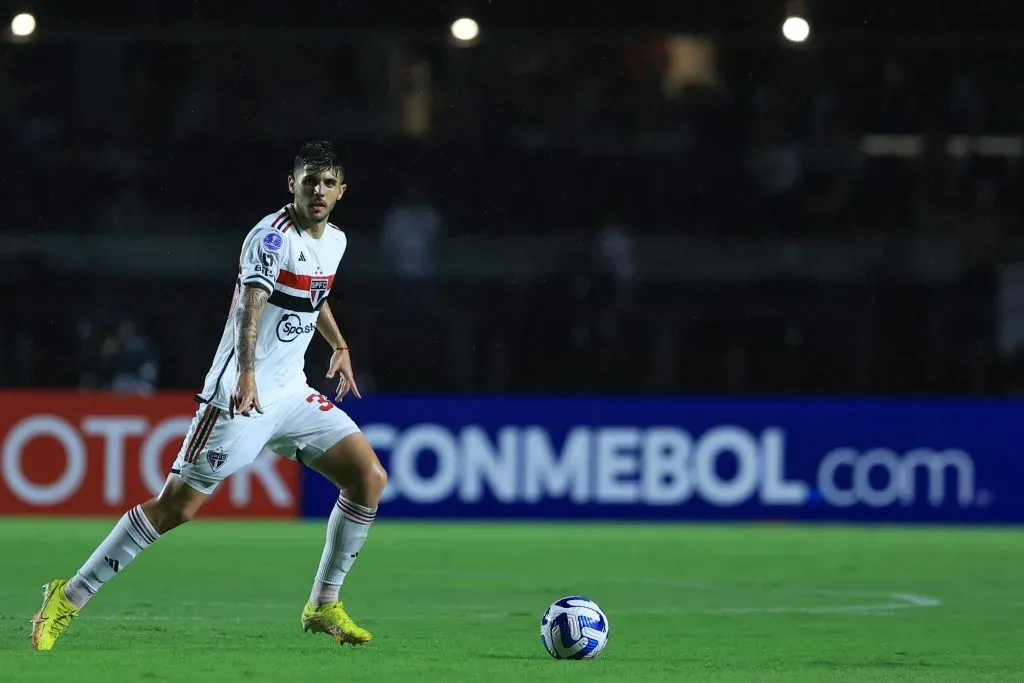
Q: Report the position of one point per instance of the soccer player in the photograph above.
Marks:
(256, 398)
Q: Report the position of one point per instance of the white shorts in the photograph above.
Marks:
(299, 427)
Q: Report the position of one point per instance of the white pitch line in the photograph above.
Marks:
(895, 601)
(899, 601)
(906, 601)
(888, 603)
(208, 618)
(918, 600)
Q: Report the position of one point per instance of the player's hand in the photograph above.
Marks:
(341, 364)
(244, 398)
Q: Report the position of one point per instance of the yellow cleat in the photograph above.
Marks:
(332, 618)
(53, 617)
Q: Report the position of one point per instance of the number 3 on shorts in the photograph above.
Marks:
(323, 401)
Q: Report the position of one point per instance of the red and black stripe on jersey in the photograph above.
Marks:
(283, 221)
(300, 281)
(294, 303)
(297, 281)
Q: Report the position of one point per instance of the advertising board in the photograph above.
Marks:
(84, 454)
(674, 458)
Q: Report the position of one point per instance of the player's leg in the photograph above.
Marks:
(353, 467)
(330, 443)
(139, 528)
(201, 464)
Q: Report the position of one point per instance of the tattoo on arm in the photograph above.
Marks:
(247, 325)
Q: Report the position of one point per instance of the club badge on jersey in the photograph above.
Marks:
(318, 288)
(216, 457)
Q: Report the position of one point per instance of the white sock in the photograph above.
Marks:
(129, 537)
(347, 529)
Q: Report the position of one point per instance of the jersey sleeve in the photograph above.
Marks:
(261, 259)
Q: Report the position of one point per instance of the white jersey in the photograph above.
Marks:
(298, 271)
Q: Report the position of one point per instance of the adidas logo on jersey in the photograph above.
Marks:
(302, 256)
(112, 563)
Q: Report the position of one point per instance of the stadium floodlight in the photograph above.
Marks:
(796, 29)
(465, 29)
(23, 25)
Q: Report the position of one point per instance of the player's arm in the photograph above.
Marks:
(260, 266)
(341, 360)
(327, 326)
(246, 318)
(247, 326)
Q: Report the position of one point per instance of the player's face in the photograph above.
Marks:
(315, 192)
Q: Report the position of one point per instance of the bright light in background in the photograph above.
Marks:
(796, 29)
(23, 25)
(465, 29)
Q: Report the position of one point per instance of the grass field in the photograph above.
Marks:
(221, 602)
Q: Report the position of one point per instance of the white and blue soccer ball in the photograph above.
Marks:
(574, 628)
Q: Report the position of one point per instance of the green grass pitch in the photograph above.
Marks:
(220, 601)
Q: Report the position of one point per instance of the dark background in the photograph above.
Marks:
(622, 197)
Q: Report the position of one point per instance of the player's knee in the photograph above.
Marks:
(375, 479)
(177, 504)
(368, 484)
(175, 517)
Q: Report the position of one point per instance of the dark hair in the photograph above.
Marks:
(319, 155)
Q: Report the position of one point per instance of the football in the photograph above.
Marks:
(574, 628)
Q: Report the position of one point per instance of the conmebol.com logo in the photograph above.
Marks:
(724, 466)
(901, 478)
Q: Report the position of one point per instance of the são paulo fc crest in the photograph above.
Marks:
(216, 458)
(317, 289)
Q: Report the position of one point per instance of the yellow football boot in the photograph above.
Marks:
(332, 618)
(54, 616)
